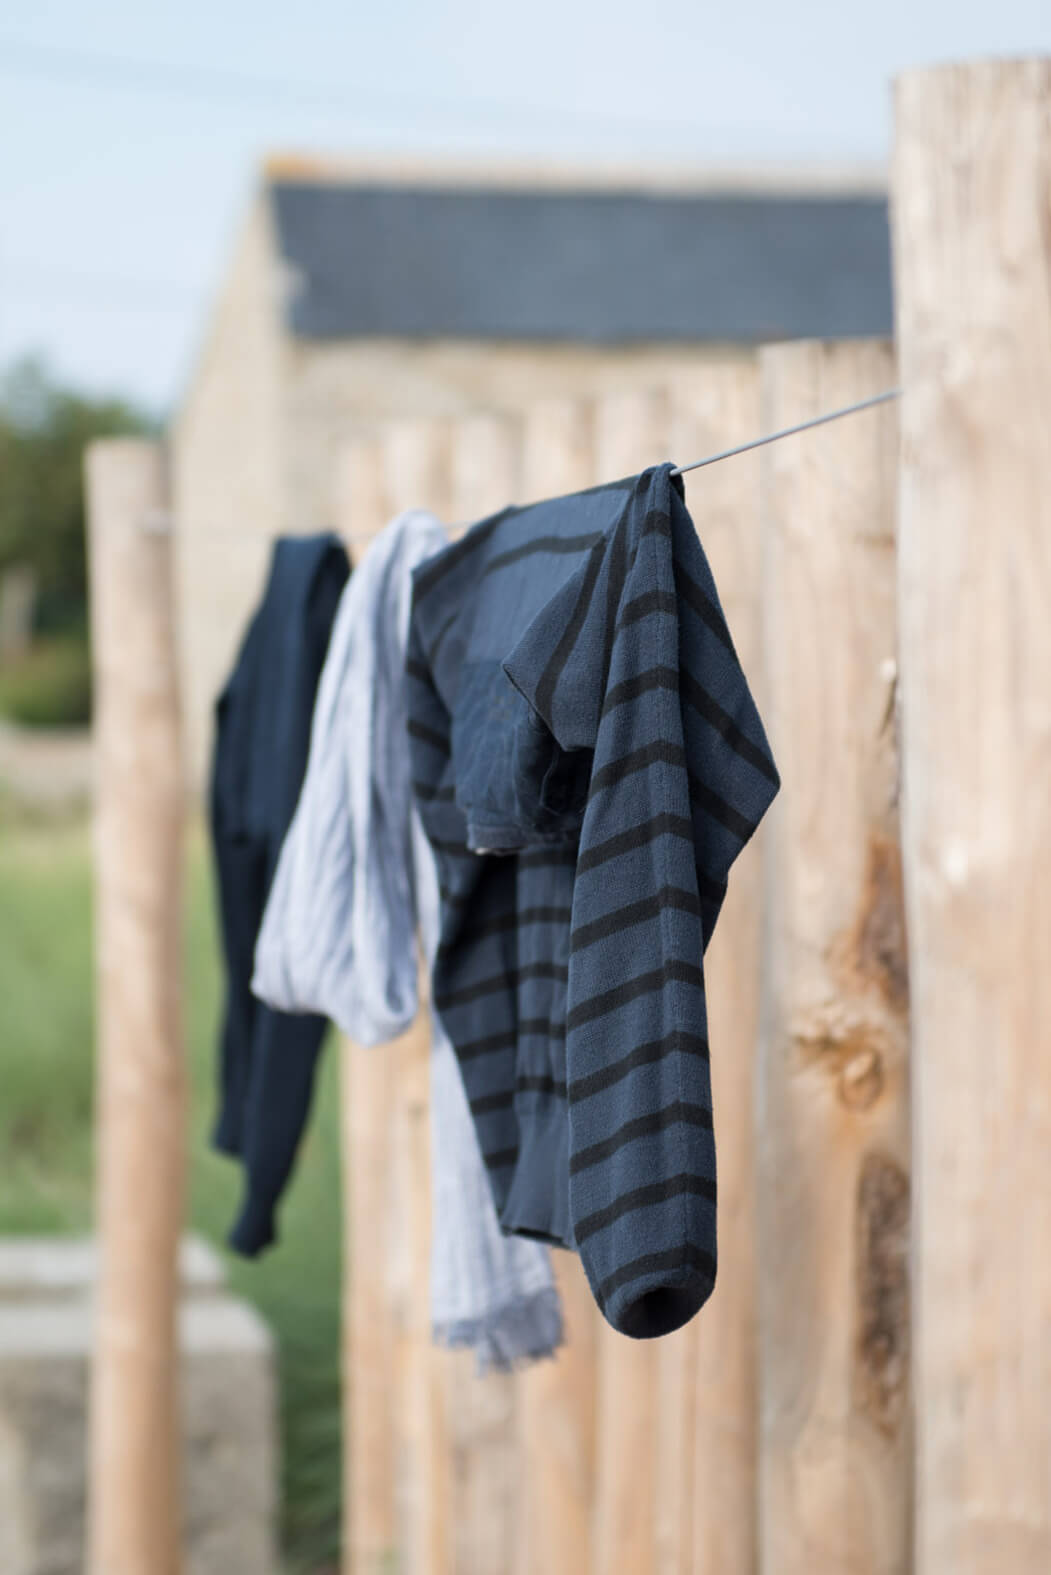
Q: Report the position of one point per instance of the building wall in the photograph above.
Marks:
(331, 392)
(226, 453)
(265, 417)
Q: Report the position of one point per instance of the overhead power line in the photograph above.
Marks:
(52, 62)
(23, 277)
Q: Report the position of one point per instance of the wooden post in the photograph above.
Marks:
(833, 1098)
(134, 1491)
(556, 1399)
(369, 1357)
(630, 433)
(972, 241)
(416, 474)
(707, 1452)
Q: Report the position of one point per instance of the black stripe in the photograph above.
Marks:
(484, 1103)
(635, 913)
(716, 806)
(427, 735)
(426, 578)
(649, 1054)
(669, 1262)
(508, 980)
(501, 1158)
(541, 1083)
(641, 1126)
(433, 795)
(527, 549)
(662, 750)
(420, 670)
(448, 845)
(513, 921)
(661, 825)
(704, 607)
(525, 1028)
(640, 684)
(505, 1040)
(455, 898)
(545, 689)
(673, 970)
(656, 523)
(643, 1198)
(642, 606)
(704, 704)
(435, 647)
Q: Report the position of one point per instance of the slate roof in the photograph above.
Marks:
(586, 266)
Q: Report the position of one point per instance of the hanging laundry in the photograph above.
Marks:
(355, 877)
(588, 762)
(262, 738)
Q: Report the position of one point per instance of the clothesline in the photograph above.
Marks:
(159, 522)
(802, 426)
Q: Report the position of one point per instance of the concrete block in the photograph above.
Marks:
(229, 1414)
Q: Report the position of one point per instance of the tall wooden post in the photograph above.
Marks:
(135, 1501)
(833, 1096)
(416, 474)
(367, 1073)
(556, 1399)
(706, 1508)
(972, 243)
(630, 433)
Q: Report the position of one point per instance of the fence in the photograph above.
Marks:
(869, 1389)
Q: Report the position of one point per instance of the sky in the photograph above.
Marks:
(131, 137)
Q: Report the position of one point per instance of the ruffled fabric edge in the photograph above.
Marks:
(526, 1329)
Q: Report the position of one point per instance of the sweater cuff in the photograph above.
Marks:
(254, 1229)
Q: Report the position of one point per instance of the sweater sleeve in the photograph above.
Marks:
(625, 667)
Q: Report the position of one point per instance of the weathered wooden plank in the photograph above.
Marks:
(134, 1479)
(833, 1096)
(368, 1074)
(416, 473)
(707, 1485)
(972, 241)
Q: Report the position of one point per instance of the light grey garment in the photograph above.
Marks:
(355, 878)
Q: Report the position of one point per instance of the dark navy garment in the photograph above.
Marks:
(263, 722)
(588, 763)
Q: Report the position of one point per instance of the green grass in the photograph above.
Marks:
(46, 1039)
(50, 686)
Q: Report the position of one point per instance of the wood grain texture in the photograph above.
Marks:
(371, 1532)
(972, 245)
(707, 1504)
(135, 1500)
(417, 473)
(631, 432)
(833, 1096)
(558, 438)
(556, 1399)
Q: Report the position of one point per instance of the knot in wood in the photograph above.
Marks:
(861, 1079)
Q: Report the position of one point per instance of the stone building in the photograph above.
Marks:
(360, 295)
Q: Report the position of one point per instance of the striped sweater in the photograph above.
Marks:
(588, 762)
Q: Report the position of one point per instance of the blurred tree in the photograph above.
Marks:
(43, 430)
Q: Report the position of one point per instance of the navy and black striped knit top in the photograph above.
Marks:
(588, 763)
